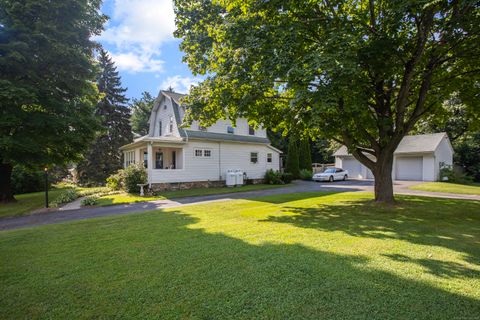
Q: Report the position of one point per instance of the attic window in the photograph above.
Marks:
(202, 128)
(170, 126)
(159, 128)
(251, 130)
(230, 129)
(165, 107)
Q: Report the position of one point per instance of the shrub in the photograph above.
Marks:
(26, 180)
(273, 177)
(306, 174)
(117, 180)
(287, 177)
(89, 201)
(94, 191)
(65, 197)
(292, 165)
(450, 174)
(134, 175)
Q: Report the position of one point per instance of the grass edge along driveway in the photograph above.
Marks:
(447, 187)
(305, 255)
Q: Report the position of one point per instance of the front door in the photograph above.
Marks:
(159, 160)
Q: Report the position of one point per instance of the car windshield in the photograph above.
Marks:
(330, 171)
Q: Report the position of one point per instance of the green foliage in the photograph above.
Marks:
(47, 94)
(467, 155)
(25, 180)
(273, 177)
(116, 181)
(133, 175)
(306, 174)
(293, 165)
(305, 155)
(141, 111)
(104, 156)
(287, 177)
(66, 196)
(89, 201)
(360, 73)
(451, 175)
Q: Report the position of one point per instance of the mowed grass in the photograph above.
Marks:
(27, 203)
(296, 256)
(195, 192)
(448, 187)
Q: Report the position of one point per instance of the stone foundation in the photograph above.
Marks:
(158, 187)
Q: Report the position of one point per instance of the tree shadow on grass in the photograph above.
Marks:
(449, 223)
(157, 265)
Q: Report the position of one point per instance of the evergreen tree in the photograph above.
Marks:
(104, 156)
(292, 158)
(141, 110)
(305, 155)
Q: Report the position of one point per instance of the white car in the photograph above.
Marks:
(331, 174)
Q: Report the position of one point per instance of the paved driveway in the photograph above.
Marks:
(400, 187)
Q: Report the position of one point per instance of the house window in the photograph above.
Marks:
(253, 157)
(202, 128)
(269, 157)
(170, 127)
(159, 160)
(251, 130)
(198, 152)
(129, 158)
(207, 153)
(230, 130)
(145, 159)
(159, 128)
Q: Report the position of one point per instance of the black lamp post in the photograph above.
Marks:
(46, 187)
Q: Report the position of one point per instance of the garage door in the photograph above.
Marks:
(409, 168)
(353, 166)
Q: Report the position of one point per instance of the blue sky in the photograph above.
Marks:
(140, 40)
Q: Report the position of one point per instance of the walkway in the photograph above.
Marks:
(296, 187)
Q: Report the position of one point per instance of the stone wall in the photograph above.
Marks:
(158, 187)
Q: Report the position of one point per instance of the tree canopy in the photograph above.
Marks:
(141, 110)
(47, 89)
(362, 73)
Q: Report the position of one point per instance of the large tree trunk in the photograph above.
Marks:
(6, 192)
(383, 179)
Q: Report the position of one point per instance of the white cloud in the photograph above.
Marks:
(179, 83)
(137, 30)
(133, 62)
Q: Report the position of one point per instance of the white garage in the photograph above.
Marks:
(417, 158)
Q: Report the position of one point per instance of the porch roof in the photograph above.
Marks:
(143, 140)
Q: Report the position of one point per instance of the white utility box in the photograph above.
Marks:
(231, 178)
(239, 176)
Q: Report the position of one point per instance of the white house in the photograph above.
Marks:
(417, 158)
(177, 156)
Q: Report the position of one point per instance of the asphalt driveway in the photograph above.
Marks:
(400, 187)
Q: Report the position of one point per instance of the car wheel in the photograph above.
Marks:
(330, 179)
(345, 177)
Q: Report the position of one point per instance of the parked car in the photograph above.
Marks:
(331, 174)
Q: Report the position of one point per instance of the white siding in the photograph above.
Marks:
(164, 112)
(241, 128)
(444, 153)
(224, 156)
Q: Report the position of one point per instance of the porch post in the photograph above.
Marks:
(149, 163)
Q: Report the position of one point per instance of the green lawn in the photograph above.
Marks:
(131, 198)
(302, 256)
(27, 202)
(448, 187)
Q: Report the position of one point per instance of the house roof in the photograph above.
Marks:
(191, 134)
(422, 143)
(174, 95)
(143, 139)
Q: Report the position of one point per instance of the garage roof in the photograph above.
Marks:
(422, 143)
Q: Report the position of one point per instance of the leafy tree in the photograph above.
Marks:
(293, 165)
(467, 155)
(104, 156)
(47, 94)
(305, 155)
(362, 73)
(141, 110)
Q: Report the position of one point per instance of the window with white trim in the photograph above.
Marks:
(251, 130)
(198, 152)
(202, 128)
(129, 158)
(253, 157)
(230, 130)
(207, 153)
(269, 157)
(170, 126)
(160, 128)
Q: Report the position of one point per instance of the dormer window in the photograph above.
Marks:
(230, 130)
(170, 126)
(251, 130)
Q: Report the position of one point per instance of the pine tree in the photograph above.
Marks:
(305, 155)
(141, 110)
(292, 165)
(104, 156)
